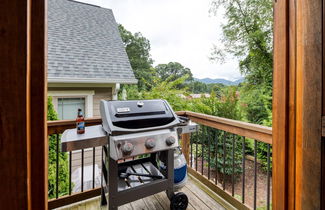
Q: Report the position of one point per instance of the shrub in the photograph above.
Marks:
(256, 105)
(215, 139)
(225, 106)
(63, 160)
(166, 89)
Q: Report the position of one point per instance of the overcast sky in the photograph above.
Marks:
(178, 30)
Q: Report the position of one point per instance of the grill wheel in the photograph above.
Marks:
(179, 201)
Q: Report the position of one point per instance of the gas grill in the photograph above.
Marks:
(135, 137)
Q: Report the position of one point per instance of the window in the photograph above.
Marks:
(68, 107)
(67, 102)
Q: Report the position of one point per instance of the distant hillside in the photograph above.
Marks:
(222, 81)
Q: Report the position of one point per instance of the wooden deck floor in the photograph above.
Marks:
(198, 200)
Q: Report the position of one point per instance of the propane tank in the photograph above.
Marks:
(180, 168)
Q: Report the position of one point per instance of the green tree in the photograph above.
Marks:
(248, 35)
(138, 50)
(173, 71)
(198, 87)
(254, 104)
(63, 160)
(167, 89)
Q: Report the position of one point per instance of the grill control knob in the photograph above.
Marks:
(170, 141)
(150, 143)
(127, 148)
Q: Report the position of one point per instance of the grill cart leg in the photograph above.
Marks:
(178, 201)
(103, 200)
(153, 158)
(170, 172)
(113, 184)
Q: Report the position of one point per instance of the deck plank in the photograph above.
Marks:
(164, 201)
(125, 207)
(194, 200)
(139, 205)
(152, 203)
(203, 196)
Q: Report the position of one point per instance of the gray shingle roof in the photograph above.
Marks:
(84, 42)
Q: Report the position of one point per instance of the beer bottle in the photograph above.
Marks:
(80, 122)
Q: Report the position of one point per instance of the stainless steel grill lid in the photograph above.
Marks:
(121, 117)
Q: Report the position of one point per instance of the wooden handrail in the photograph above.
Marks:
(249, 130)
(59, 126)
(74, 198)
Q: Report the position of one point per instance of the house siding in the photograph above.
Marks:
(100, 93)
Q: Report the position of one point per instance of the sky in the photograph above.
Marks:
(178, 30)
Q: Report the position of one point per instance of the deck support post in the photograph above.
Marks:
(186, 138)
(297, 104)
(23, 128)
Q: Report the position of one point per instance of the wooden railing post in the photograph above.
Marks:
(186, 146)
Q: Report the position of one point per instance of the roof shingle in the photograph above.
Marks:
(84, 42)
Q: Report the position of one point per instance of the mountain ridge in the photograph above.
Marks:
(208, 80)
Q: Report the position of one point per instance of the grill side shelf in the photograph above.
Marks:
(94, 136)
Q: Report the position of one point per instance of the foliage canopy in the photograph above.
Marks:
(173, 71)
(248, 36)
(138, 50)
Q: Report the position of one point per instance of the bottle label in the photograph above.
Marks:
(81, 126)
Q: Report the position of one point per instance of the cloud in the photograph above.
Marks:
(178, 30)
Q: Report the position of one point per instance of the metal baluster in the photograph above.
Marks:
(233, 166)
(57, 167)
(224, 160)
(82, 170)
(70, 168)
(243, 166)
(101, 160)
(216, 156)
(255, 171)
(196, 152)
(202, 148)
(94, 150)
(208, 153)
(103, 200)
(268, 177)
(191, 142)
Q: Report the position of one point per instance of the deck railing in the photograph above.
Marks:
(218, 155)
(55, 128)
(213, 155)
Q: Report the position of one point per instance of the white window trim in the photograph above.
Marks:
(87, 94)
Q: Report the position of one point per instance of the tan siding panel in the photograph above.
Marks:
(100, 93)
